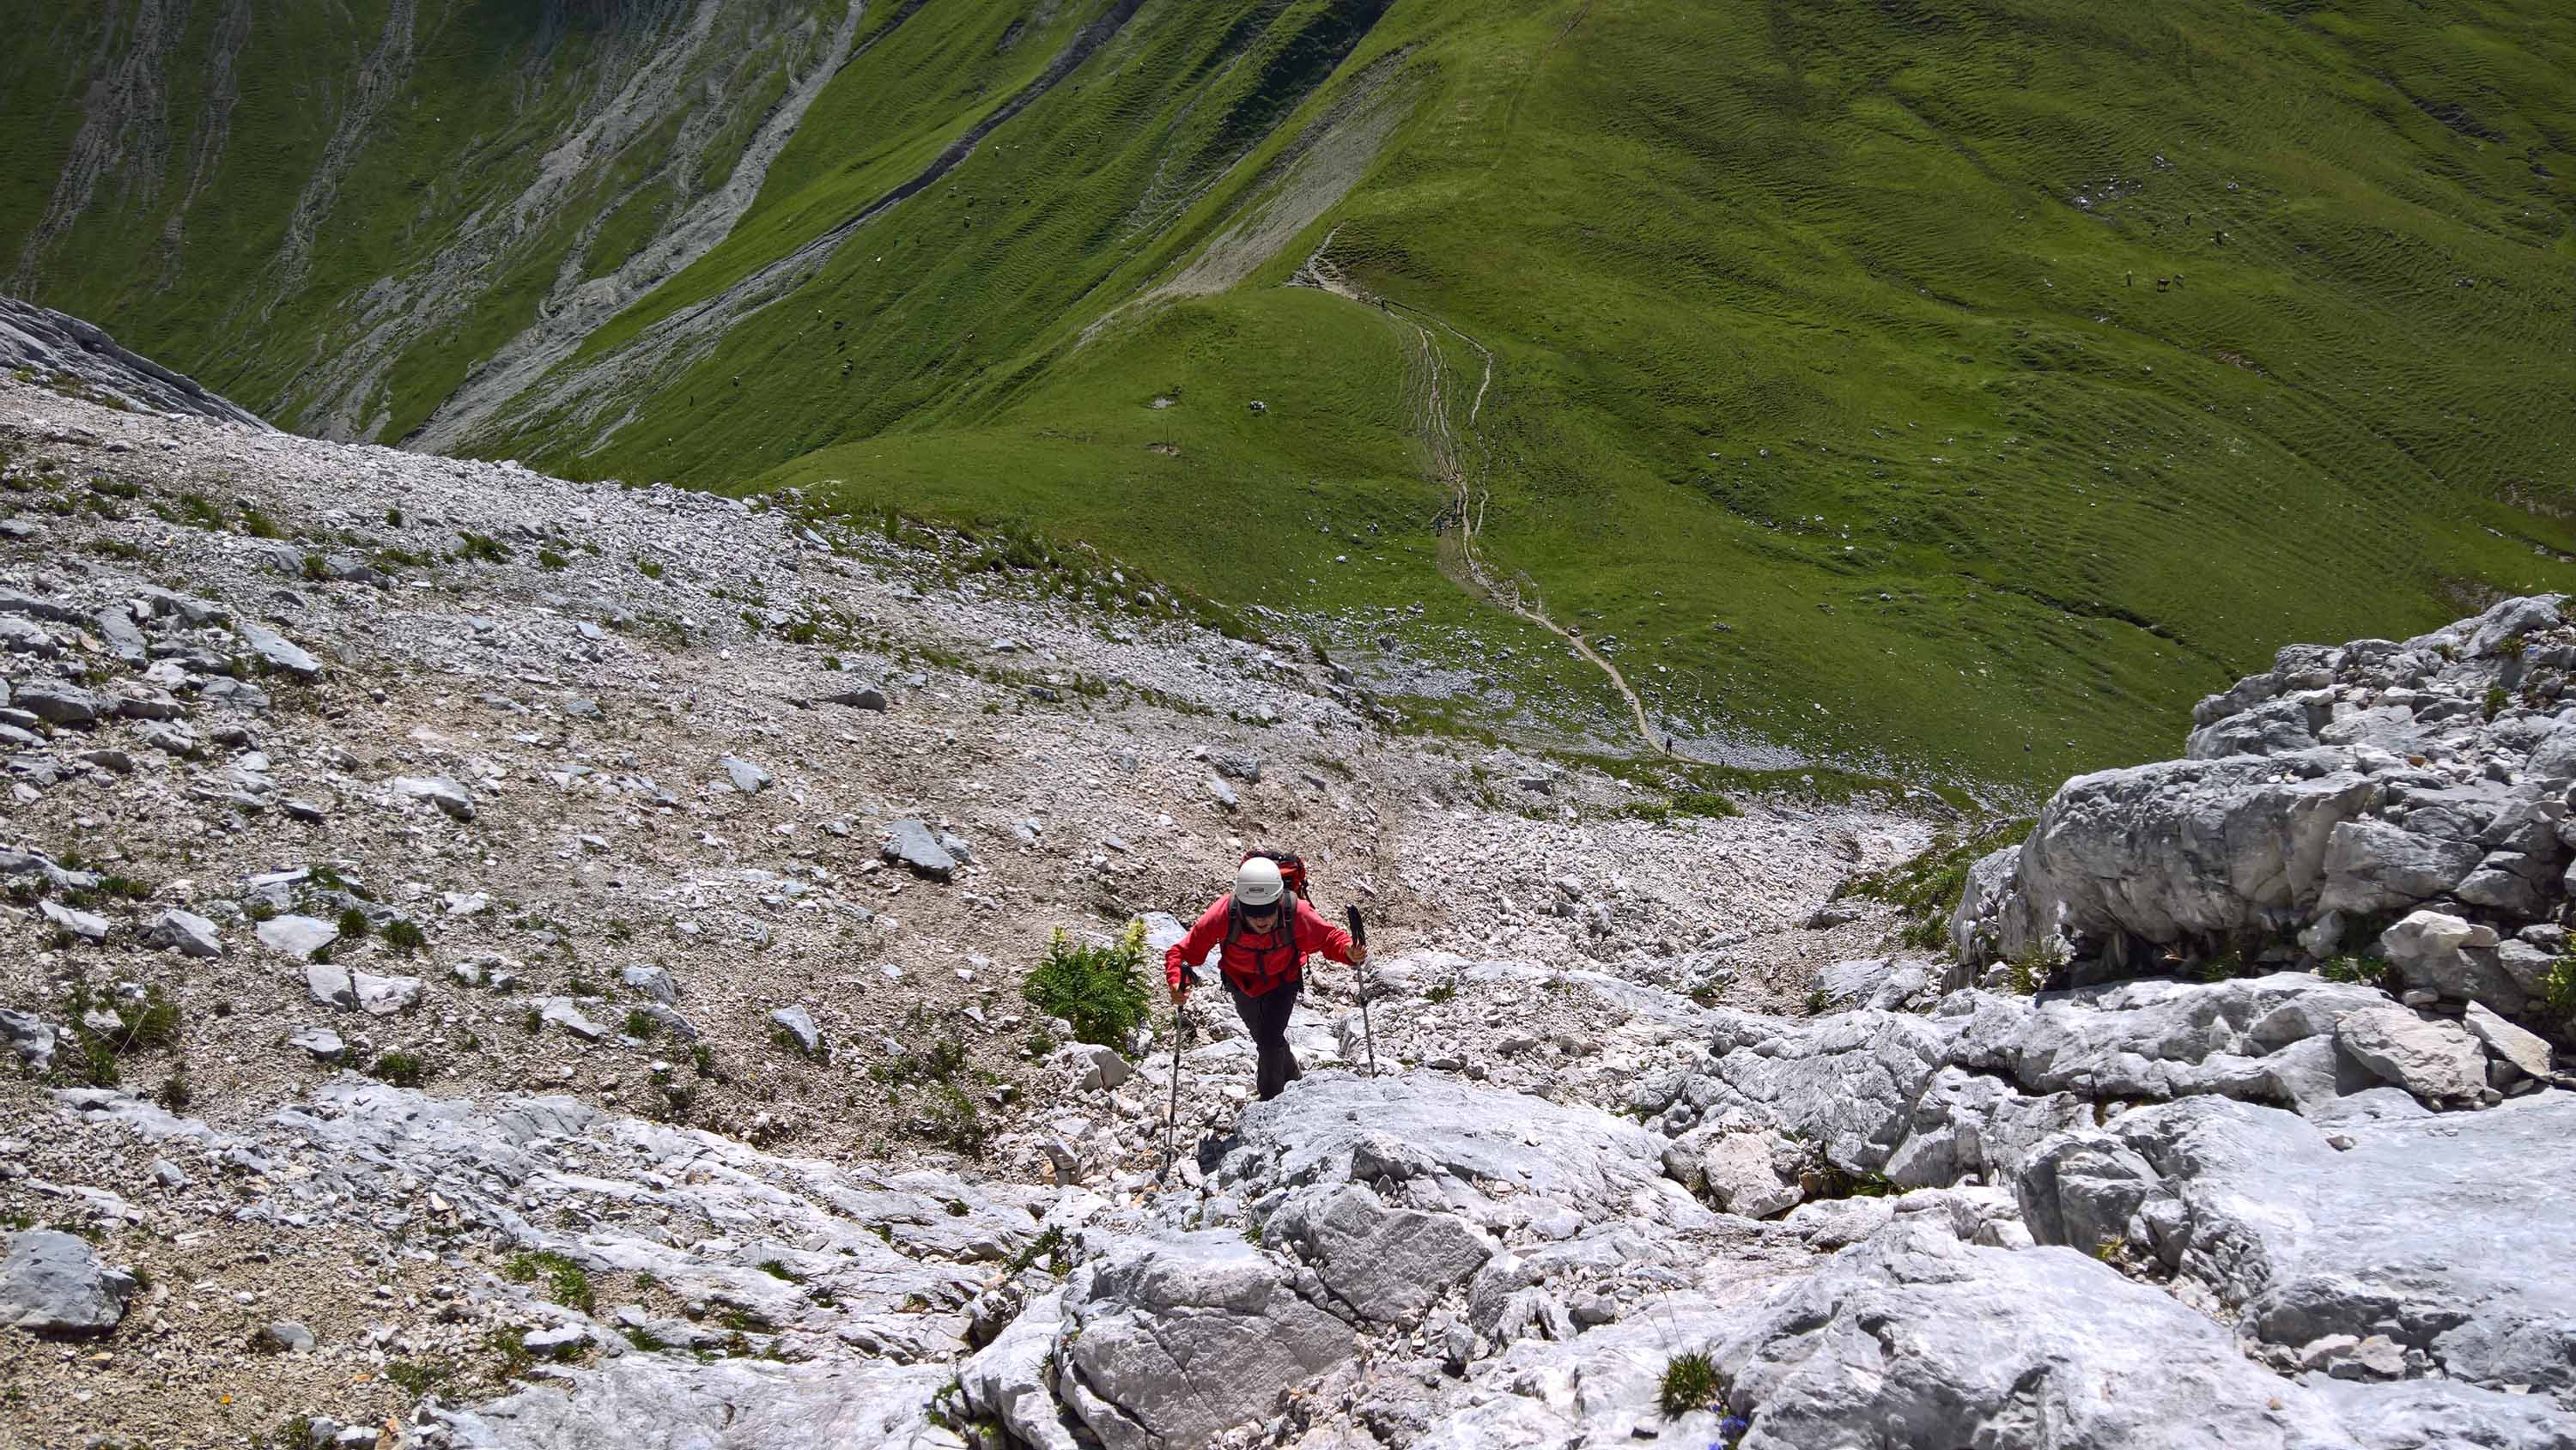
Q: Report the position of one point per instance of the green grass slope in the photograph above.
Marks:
(1963, 387)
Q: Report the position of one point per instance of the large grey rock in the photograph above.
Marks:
(2432, 1057)
(913, 844)
(297, 936)
(1012, 1379)
(1501, 1160)
(89, 926)
(184, 932)
(451, 798)
(383, 996)
(330, 986)
(2527, 1052)
(2447, 1232)
(53, 1283)
(653, 982)
(665, 1400)
(858, 697)
(1171, 1339)
(567, 1013)
(1753, 1173)
(1383, 1264)
(2452, 957)
(57, 703)
(30, 1037)
(799, 1026)
(744, 776)
(1917, 1339)
(279, 653)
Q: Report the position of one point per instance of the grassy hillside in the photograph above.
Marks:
(1960, 386)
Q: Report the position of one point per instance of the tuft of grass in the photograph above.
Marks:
(1444, 992)
(777, 1270)
(558, 1278)
(354, 923)
(1099, 989)
(482, 549)
(404, 936)
(640, 1023)
(548, 559)
(1689, 1383)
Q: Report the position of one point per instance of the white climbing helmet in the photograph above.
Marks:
(1257, 883)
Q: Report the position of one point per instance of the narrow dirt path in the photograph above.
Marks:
(1427, 388)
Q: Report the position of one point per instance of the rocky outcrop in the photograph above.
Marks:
(2399, 803)
(75, 354)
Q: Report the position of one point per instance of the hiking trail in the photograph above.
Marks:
(1427, 387)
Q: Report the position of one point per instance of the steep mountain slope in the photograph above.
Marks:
(1965, 385)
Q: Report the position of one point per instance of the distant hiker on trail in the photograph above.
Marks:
(1262, 964)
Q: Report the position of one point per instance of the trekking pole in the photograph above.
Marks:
(1172, 1116)
(1359, 934)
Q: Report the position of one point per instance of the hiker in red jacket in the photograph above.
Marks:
(1262, 965)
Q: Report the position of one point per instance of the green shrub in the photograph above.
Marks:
(1446, 991)
(1690, 1383)
(1099, 989)
(483, 548)
(353, 923)
(404, 936)
(2496, 700)
(2558, 987)
(402, 1069)
(315, 571)
(258, 525)
(549, 559)
(640, 1023)
(648, 568)
(393, 518)
(2351, 969)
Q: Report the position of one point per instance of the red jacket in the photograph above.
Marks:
(1256, 962)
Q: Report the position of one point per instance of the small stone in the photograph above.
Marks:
(330, 986)
(799, 1025)
(912, 844)
(323, 1043)
(438, 790)
(284, 1336)
(859, 697)
(652, 982)
(746, 777)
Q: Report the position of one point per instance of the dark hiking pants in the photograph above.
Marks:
(1266, 1018)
